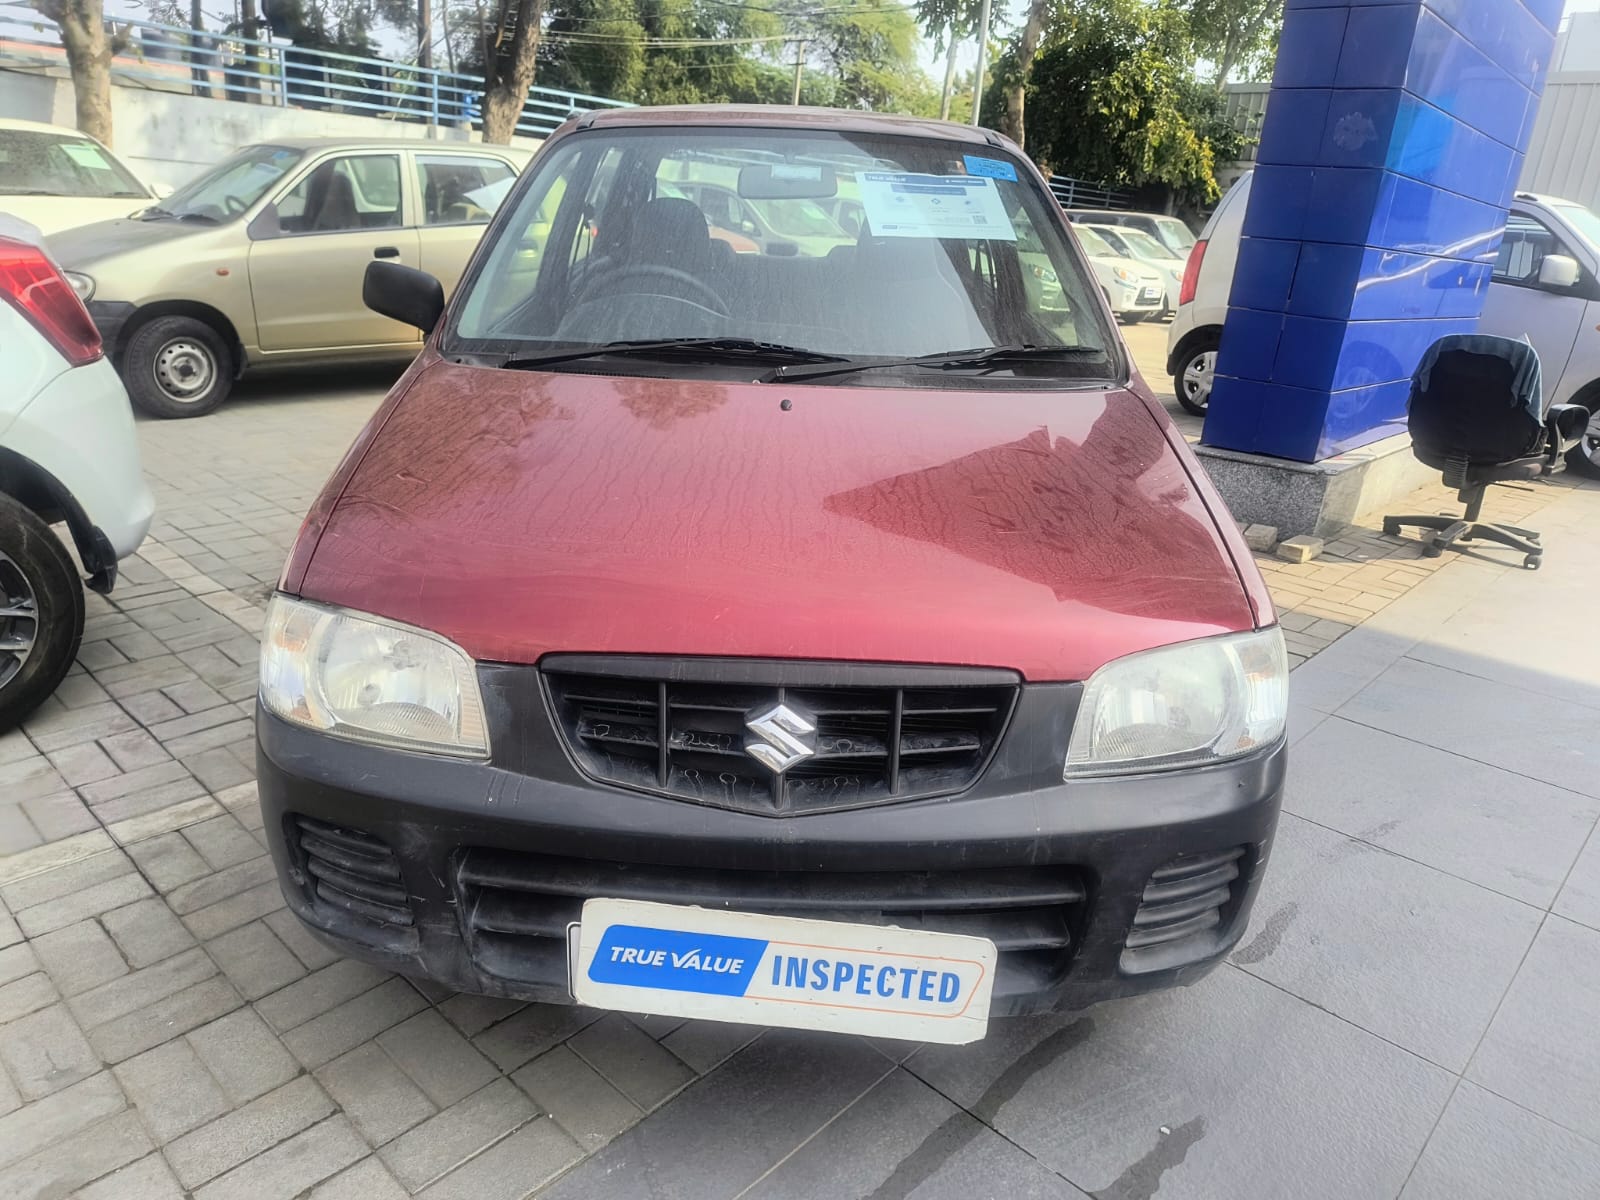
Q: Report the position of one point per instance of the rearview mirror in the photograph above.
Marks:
(1559, 271)
(403, 294)
(787, 181)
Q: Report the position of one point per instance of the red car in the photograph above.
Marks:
(841, 641)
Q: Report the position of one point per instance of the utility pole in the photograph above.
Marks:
(983, 57)
(799, 65)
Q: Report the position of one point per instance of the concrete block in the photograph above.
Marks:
(1261, 537)
(1300, 549)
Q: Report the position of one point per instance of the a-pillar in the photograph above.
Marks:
(1392, 145)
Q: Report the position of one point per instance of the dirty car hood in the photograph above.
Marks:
(522, 513)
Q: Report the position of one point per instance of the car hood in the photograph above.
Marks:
(53, 214)
(522, 513)
(88, 244)
(1142, 269)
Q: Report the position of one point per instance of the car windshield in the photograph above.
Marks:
(1142, 245)
(798, 218)
(1094, 245)
(955, 253)
(1175, 234)
(232, 186)
(1584, 221)
(39, 163)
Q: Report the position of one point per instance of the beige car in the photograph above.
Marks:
(259, 261)
(55, 178)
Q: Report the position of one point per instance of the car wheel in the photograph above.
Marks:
(1584, 458)
(1192, 381)
(177, 367)
(41, 612)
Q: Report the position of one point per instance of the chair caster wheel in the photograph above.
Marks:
(1392, 528)
(1432, 550)
(1533, 562)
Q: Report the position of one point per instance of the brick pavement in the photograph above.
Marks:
(167, 1029)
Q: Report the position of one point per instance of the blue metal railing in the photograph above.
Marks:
(226, 66)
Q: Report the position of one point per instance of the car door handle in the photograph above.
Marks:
(386, 252)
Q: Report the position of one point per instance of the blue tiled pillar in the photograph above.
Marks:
(1392, 145)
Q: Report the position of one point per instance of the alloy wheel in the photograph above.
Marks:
(19, 619)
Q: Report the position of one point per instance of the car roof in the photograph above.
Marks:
(39, 127)
(783, 116)
(437, 147)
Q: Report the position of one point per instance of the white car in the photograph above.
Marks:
(1545, 287)
(56, 178)
(68, 455)
(1133, 288)
(1136, 244)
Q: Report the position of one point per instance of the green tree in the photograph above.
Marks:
(949, 24)
(1235, 33)
(870, 52)
(1113, 99)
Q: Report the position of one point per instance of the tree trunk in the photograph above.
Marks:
(1012, 123)
(424, 33)
(949, 73)
(89, 49)
(508, 67)
(1229, 59)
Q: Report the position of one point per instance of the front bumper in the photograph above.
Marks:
(468, 873)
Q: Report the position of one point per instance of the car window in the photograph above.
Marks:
(1583, 220)
(232, 186)
(944, 260)
(461, 190)
(37, 163)
(1175, 234)
(1112, 237)
(343, 194)
(1139, 244)
(1528, 242)
(1094, 245)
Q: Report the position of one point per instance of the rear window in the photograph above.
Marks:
(864, 245)
(39, 163)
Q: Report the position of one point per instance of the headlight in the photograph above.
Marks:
(80, 283)
(369, 680)
(1182, 706)
(1125, 275)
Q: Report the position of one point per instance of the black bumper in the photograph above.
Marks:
(109, 316)
(467, 873)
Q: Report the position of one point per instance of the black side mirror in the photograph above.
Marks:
(403, 294)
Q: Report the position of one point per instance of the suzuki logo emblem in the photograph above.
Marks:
(782, 738)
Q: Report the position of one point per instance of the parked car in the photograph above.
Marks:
(259, 261)
(1545, 287)
(811, 641)
(1171, 232)
(68, 455)
(1133, 289)
(55, 178)
(1140, 246)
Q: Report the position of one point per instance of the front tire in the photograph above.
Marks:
(1584, 458)
(41, 612)
(1195, 373)
(177, 367)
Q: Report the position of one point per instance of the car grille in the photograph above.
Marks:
(1185, 899)
(688, 739)
(350, 870)
(516, 907)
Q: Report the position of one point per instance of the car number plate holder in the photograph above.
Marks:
(786, 972)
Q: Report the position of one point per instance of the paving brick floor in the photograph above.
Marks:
(1414, 1006)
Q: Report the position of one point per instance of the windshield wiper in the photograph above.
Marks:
(156, 212)
(947, 360)
(27, 192)
(706, 348)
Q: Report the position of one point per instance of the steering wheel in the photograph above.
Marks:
(232, 205)
(701, 289)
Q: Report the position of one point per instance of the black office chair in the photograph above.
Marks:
(1477, 414)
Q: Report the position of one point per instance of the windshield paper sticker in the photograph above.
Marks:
(992, 168)
(934, 206)
(86, 155)
(783, 971)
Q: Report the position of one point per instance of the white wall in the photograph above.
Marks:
(167, 137)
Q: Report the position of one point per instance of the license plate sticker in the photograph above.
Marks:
(786, 972)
